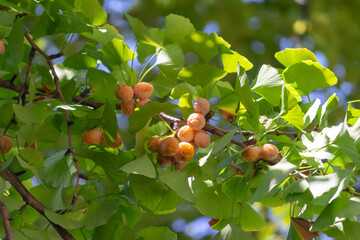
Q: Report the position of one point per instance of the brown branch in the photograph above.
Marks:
(69, 122)
(26, 82)
(57, 55)
(6, 221)
(33, 202)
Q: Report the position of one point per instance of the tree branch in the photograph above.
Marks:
(61, 95)
(6, 221)
(33, 202)
(208, 127)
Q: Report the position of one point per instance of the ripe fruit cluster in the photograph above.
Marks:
(267, 152)
(170, 150)
(95, 136)
(192, 132)
(5, 144)
(125, 93)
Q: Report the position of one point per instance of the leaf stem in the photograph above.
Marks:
(150, 68)
(167, 125)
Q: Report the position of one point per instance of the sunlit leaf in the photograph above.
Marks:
(268, 84)
(290, 56)
(92, 10)
(141, 32)
(307, 76)
(201, 74)
(142, 166)
(177, 28)
(231, 62)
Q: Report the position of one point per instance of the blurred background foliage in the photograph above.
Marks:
(258, 29)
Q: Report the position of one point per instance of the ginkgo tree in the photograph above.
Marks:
(70, 171)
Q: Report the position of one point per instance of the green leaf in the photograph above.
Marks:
(201, 74)
(102, 85)
(351, 230)
(16, 44)
(346, 143)
(80, 61)
(339, 208)
(317, 186)
(105, 34)
(237, 189)
(298, 191)
(68, 90)
(233, 232)
(140, 139)
(269, 84)
(62, 220)
(162, 85)
(231, 62)
(243, 90)
(295, 117)
(57, 170)
(32, 156)
(170, 60)
(6, 112)
(293, 234)
(142, 166)
(277, 174)
(177, 181)
(328, 106)
(211, 201)
(229, 103)
(207, 46)
(181, 89)
(290, 56)
(117, 52)
(288, 100)
(177, 28)
(7, 18)
(132, 214)
(98, 213)
(307, 76)
(250, 220)
(109, 162)
(154, 195)
(142, 34)
(92, 10)
(353, 115)
(156, 233)
(50, 197)
(218, 146)
(138, 120)
(312, 112)
(109, 121)
(185, 104)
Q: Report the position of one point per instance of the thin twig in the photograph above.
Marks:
(26, 82)
(56, 55)
(22, 94)
(6, 221)
(62, 98)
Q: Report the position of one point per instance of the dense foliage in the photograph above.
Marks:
(61, 65)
